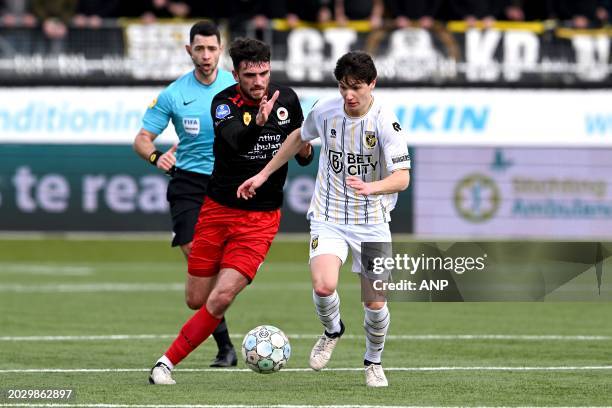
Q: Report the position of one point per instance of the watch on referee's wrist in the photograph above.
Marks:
(154, 157)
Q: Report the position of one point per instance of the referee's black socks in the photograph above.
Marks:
(221, 336)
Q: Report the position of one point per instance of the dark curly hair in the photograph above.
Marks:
(249, 50)
(355, 67)
(204, 28)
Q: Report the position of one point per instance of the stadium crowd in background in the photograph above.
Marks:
(54, 15)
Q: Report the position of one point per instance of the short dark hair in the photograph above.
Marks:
(249, 50)
(355, 66)
(204, 28)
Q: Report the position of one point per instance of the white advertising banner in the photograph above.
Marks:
(513, 192)
(432, 117)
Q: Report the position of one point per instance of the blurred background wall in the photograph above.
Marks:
(506, 104)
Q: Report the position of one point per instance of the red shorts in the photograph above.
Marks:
(227, 237)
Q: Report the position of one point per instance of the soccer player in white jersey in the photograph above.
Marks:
(363, 164)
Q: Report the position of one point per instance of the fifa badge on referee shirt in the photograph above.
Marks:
(246, 118)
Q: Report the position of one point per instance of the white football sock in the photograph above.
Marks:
(376, 324)
(328, 310)
(166, 361)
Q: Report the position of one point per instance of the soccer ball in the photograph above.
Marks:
(266, 349)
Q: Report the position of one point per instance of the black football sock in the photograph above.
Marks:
(221, 336)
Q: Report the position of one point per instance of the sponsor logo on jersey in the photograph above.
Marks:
(360, 164)
(369, 139)
(314, 243)
(335, 161)
(333, 133)
(153, 103)
(396, 126)
(191, 125)
(222, 111)
(356, 164)
(246, 118)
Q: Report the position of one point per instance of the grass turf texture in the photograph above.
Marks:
(280, 296)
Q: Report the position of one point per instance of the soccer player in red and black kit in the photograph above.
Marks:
(232, 237)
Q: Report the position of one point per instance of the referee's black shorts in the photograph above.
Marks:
(185, 194)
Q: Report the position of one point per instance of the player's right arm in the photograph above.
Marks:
(154, 122)
(296, 141)
(290, 147)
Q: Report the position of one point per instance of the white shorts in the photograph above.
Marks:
(336, 239)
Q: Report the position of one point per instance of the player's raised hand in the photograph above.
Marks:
(167, 160)
(360, 186)
(265, 107)
(247, 189)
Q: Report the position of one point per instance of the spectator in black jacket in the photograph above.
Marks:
(421, 11)
(319, 11)
(16, 13)
(578, 13)
(90, 13)
(345, 10)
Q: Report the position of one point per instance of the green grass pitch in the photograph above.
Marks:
(58, 287)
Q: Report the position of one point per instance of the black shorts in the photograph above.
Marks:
(185, 194)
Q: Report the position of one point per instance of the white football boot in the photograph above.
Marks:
(375, 376)
(161, 374)
(322, 351)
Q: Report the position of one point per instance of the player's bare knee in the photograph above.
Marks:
(323, 290)
(219, 302)
(375, 305)
(194, 302)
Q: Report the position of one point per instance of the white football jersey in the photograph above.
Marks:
(370, 147)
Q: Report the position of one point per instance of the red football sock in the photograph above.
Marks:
(194, 332)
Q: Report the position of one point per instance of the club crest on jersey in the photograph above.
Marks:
(335, 161)
(369, 139)
(282, 113)
(246, 118)
(314, 243)
(222, 111)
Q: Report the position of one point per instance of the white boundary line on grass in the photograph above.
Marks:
(52, 405)
(287, 370)
(520, 337)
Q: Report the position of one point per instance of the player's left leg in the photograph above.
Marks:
(186, 193)
(376, 324)
(377, 317)
(197, 329)
(186, 222)
(197, 291)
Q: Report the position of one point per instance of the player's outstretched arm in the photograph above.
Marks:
(288, 149)
(393, 183)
